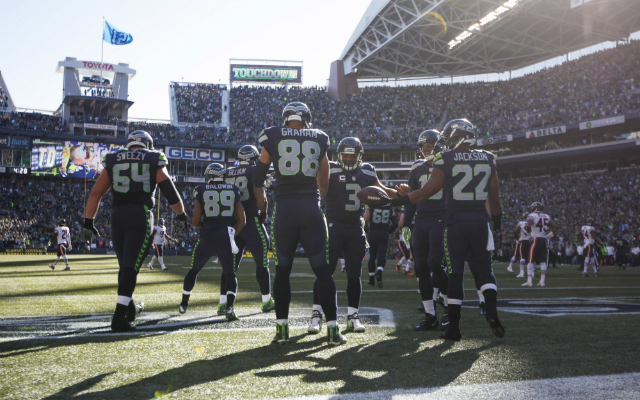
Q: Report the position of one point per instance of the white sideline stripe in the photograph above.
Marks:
(310, 291)
(621, 386)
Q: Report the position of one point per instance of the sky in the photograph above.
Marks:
(172, 41)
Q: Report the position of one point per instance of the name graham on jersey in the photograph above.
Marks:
(299, 132)
(131, 155)
(474, 156)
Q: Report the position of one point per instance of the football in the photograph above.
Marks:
(370, 194)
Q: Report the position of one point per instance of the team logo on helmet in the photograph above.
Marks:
(297, 111)
(215, 172)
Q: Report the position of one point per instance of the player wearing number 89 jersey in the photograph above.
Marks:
(217, 208)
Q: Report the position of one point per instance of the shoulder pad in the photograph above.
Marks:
(264, 134)
(334, 168)
(367, 166)
(369, 172)
(416, 164)
(162, 159)
(438, 159)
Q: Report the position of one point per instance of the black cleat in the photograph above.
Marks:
(483, 309)
(439, 301)
(230, 315)
(429, 323)
(372, 280)
(496, 326)
(421, 308)
(120, 324)
(444, 322)
(452, 334)
(282, 334)
(379, 278)
(133, 310)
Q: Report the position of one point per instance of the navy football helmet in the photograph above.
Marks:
(350, 145)
(248, 155)
(428, 136)
(297, 111)
(537, 207)
(590, 221)
(161, 222)
(63, 222)
(140, 138)
(458, 131)
(215, 172)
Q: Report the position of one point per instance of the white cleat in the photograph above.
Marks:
(528, 284)
(520, 276)
(541, 284)
(164, 268)
(354, 324)
(510, 269)
(149, 266)
(316, 322)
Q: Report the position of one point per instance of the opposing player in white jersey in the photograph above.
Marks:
(61, 234)
(522, 245)
(588, 233)
(160, 236)
(539, 225)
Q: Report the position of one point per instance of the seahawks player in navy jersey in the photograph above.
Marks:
(134, 173)
(346, 234)
(382, 222)
(428, 232)
(253, 235)
(469, 179)
(219, 212)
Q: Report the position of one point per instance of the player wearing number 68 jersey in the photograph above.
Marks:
(382, 221)
(541, 227)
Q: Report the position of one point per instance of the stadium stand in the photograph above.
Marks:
(198, 102)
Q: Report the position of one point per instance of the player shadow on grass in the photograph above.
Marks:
(388, 364)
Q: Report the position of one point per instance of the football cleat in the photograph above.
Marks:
(67, 269)
(509, 268)
(52, 266)
(182, 309)
(222, 308)
(282, 334)
(379, 278)
(268, 306)
(372, 280)
(230, 314)
(439, 302)
(496, 326)
(452, 333)
(354, 324)
(133, 310)
(483, 308)
(164, 268)
(150, 266)
(429, 323)
(444, 322)
(120, 324)
(541, 284)
(528, 284)
(316, 322)
(407, 272)
(421, 308)
(398, 268)
(585, 275)
(520, 276)
(334, 336)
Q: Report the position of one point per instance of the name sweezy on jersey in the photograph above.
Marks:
(130, 155)
(237, 171)
(472, 156)
(299, 132)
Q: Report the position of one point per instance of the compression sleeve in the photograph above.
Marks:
(260, 174)
(401, 201)
(169, 191)
(497, 221)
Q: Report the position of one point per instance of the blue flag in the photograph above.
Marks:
(114, 36)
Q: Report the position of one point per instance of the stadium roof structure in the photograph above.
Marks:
(428, 38)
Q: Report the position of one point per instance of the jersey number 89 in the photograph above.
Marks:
(213, 200)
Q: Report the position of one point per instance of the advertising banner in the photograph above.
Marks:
(101, 126)
(494, 139)
(556, 130)
(602, 122)
(15, 142)
(193, 179)
(69, 159)
(187, 153)
(265, 73)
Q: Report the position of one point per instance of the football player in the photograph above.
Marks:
(346, 234)
(253, 235)
(469, 178)
(61, 234)
(159, 237)
(133, 172)
(382, 222)
(404, 244)
(622, 247)
(588, 233)
(427, 233)
(217, 207)
(541, 227)
(522, 245)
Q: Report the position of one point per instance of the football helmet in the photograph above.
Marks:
(297, 111)
(248, 155)
(215, 172)
(63, 222)
(428, 136)
(524, 216)
(161, 222)
(590, 221)
(350, 145)
(536, 207)
(140, 138)
(458, 131)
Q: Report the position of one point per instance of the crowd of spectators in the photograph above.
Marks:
(31, 121)
(198, 102)
(4, 99)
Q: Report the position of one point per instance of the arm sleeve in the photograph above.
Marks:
(259, 174)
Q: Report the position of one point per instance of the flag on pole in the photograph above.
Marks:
(114, 36)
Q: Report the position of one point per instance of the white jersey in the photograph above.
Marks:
(587, 233)
(610, 251)
(524, 235)
(540, 226)
(63, 235)
(158, 235)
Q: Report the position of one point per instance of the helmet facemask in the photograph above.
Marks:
(353, 160)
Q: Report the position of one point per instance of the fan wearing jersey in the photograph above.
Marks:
(522, 245)
(254, 235)
(382, 222)
(63, 238)
(160, 236)
(134, 173)
(541, 227)
(588, 234)
(218, 211)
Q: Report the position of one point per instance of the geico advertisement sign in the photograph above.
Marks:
(187, 153)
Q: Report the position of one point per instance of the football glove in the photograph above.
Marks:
(182, 220)
(89, 230)
(268, 181)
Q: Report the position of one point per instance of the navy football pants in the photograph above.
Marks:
(428, 252)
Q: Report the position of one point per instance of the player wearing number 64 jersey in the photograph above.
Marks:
(541, 227)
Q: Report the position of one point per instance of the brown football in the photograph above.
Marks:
(370, 194)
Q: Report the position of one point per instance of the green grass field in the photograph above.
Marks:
(55, 341)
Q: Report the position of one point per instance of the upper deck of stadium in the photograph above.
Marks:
(439, 38)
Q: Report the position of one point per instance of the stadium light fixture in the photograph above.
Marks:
(492, 16)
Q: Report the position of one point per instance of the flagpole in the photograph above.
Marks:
(102, 52)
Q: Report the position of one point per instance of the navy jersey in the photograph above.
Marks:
(434, 208)
(341, 201)
(218, 201)
(466, 187)
(241, 177)
(381, 219)
(296, 155)
(133, 175)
